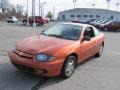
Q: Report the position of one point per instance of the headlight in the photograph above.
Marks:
(44, 58)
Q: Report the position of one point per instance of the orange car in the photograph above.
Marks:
(57, 50)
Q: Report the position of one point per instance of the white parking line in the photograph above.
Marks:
(114, 52)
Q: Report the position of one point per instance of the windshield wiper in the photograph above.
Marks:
(54, 35)
(44, 33)
(58, 36)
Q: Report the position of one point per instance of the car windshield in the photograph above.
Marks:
(104, 22)
(64, 31)
(10, 17)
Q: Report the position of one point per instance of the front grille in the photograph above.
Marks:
(23, 54)
(25, 68)
(29, 69)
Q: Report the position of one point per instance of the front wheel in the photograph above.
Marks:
(100, 51)
(69, 67)
(42, 24)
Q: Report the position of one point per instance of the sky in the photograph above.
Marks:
(61, 5)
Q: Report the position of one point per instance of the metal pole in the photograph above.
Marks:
(74, 2)
(34, 24)
(41, 10)
(108, 9)
(39, 7)
(93, 5)
(44, 8)
(108, 1)
(117, 6)
(53, 12)
(32, 8)
(27, 14)
(108, 5)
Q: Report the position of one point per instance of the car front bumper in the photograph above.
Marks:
(49, 69)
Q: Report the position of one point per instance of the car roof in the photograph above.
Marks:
(78, 24)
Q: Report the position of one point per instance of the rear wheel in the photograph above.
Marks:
(69, 67)
(118, 30)
(100, 51)
(42, 24)
(24, 22)
(37, 24)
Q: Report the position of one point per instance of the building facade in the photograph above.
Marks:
(88, 13)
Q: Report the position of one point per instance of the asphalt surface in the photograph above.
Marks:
(93, 74)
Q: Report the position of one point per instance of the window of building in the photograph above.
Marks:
(91, 16)
(85, 16)
(97, 16)
(78, 16)
(72, 15)
(63, 16)
(112, 17)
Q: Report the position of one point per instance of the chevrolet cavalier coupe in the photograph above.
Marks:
(58, 50)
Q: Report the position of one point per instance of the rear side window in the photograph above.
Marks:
(10, 17)
(89, 32)
(96, 32)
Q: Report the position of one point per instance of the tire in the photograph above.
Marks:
(37, 24)
(68, 67)
(118, 30)
(24, 22)
(106, 29)
(100, 51)
(31, 24)
(42, 24)
(8, 21)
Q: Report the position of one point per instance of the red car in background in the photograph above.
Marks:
(110, 25)
(38, 20)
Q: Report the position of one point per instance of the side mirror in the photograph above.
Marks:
(86, 38)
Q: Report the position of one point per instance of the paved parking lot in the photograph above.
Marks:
(94, 74)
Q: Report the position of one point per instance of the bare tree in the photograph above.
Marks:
(3, 4)
(19, 10)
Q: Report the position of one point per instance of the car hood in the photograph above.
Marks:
(41, 43)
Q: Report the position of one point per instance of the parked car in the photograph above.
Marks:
(98, 23)
(85, 21)
(38, 20)
(110, 25)
(12, 19)
(75, 20)
(47, 20)
(93, 22)
(58, 50)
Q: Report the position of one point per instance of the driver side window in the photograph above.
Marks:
(89, 32)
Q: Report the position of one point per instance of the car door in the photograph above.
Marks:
(87, 47)
(97, 40)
